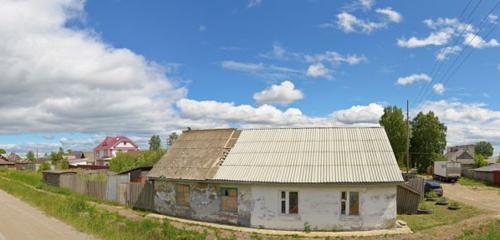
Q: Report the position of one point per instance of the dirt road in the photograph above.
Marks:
(480, 197)
(19, 220)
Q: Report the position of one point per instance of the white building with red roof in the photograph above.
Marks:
(108, 148)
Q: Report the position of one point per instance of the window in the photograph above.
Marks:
(182, 194)
(229, 199)
(290, 199)
(349, 203)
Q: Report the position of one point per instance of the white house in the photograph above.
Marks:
(336, 178)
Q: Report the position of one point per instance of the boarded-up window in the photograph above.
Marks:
(182, 194)
(229, 199)
(353, 203)
(349, 203)
(289, 202)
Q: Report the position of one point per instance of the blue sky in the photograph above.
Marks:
(135, 68)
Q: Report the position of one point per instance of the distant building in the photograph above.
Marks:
(464, 154)
(78, 158)
(108, 148)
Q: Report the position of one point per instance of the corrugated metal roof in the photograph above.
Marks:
(311, 155)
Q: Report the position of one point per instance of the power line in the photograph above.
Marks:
(451, 69)
(445, 76)
(437, 64)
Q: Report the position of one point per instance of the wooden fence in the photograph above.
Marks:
(409, 194)
(117, 189)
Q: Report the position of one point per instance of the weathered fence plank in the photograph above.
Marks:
(140, 195)
(407, 199)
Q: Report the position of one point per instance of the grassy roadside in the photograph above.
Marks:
(441, 216)
(475, 183)
(486, 231)
(87, 218)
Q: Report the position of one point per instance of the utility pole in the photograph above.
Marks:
(407, 135)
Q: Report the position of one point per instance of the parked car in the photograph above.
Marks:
(433, 186)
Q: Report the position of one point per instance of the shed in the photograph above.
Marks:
(330, 178)
(4, 163)
(137, 175)
(490, 173)
(52, 177)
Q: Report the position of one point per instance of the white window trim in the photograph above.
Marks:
(347, 204)
(287, 202)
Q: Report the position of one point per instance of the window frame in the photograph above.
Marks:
(345, 203)
(186, 200)
(284, 202)
(224, 198)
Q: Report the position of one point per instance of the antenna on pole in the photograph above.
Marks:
(407, 135)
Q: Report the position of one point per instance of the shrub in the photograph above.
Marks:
(43, 167)
(431, 195)
(442, 201)
(424, 206)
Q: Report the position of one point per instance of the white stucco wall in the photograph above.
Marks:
(319, 207)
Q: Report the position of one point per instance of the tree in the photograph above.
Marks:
(154, 143)
(56, 157)
(394, 124)
(126, 161)
(2, 151)
(64, 164)
(484, 148)
(30, 156)
(428, 139)
(479, 161)
(498, 159)
(172, 138)
(44, 166)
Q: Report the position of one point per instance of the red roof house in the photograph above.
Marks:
(108, 148)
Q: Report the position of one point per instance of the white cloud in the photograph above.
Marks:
(349, 23)
(466, 122)
(367, 4)
(254, 3)
(435, 38)
(477, 41)
(492, 18)
(359, 114)
(56, 78)
(335, 58)
(318, 70)
(413, 78)
(280, 53)
(283, 94)
(269, 72)
(438, 88)
(444, 52)
(267, 115)
(202, 28)
(392, 15)
(445, 29)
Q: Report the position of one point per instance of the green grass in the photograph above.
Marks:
(487, 231)
(475, 183)
(441, 216)
(86, 217)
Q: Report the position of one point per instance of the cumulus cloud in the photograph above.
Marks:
(477, 41)
(57, 78)
(438, 88)
(445, 52)
(359, 114)
(284, 94)
(392, 15)
(318, 70)
(267, 115)
(469, 122)
(445, 29)
(349, 23)
(413, 78)
(435, 38)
